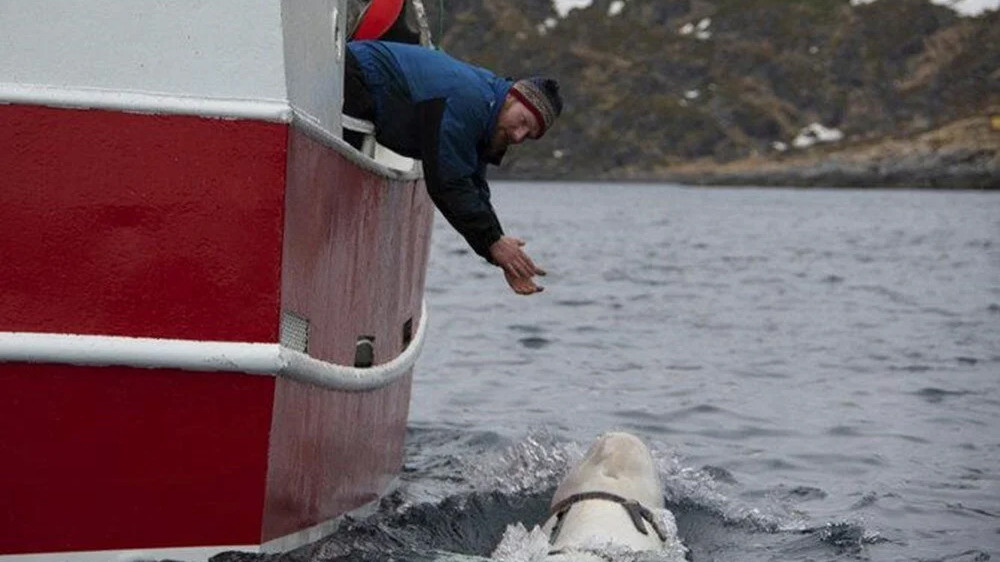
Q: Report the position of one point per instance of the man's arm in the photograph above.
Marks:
(467, 210)
(465, 204)
(463, 201)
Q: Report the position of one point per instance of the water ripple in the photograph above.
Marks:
(937, 395)
(534, 342)
(782, 335)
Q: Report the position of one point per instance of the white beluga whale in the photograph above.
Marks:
(608, 507)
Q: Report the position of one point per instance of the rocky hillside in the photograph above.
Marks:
(666, 89)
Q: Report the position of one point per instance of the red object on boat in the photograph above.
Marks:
(378, 18)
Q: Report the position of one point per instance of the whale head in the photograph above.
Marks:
(608, 506)
(612, 500)
(618, 463)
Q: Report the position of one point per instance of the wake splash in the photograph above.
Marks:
(474, 497)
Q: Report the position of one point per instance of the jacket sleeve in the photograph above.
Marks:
(463, 198)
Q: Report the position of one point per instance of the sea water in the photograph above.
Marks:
(817, 372)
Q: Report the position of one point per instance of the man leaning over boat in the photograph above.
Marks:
(456, 118)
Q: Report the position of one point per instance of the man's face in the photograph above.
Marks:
(514, 124)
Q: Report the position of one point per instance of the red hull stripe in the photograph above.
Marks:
(122, 458)
(141, 225)
(157, 104)
(189, 554)
(252, 358)
(192, 553)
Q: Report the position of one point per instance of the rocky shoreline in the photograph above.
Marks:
(962, 155)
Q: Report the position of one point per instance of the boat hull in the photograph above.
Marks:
(184, 230)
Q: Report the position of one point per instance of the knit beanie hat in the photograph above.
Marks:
(541, 97)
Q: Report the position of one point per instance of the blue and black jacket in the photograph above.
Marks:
(432, 107)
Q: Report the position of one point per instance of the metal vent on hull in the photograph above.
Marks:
(294, 332)
(364, 352)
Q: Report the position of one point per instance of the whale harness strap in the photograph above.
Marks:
(636, 511)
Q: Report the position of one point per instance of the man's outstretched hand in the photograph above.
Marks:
(518, 269)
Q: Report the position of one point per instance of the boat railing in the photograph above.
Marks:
(367, 128)
(382, 156)
(273, 359)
